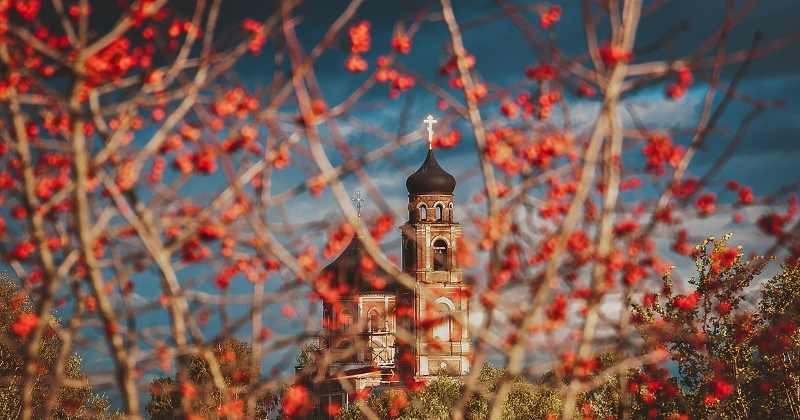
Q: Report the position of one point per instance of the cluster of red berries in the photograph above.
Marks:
(660, 150)
(257, 37)
(398, 82)
(611, 55)
(678, 89)
(548, 17)
(542, 72)
(360, 41)
(447, 140)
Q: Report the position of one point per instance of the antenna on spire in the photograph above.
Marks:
(430, 121)
(358, 202)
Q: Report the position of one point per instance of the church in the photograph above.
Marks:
(381, 334)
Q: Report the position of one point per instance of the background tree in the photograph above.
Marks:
(736, 355)
(61, 394)
(197, 395)
(436, 400)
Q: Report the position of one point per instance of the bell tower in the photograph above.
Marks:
(430, 239)
(383, 333)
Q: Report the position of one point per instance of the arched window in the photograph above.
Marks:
(441, 262)
(450, 206)
(374, 322)
(345, 318)
(444, 328)
(439, 212)
(423, 212)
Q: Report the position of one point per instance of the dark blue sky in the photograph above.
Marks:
(503, 54)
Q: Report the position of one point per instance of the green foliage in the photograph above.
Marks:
(434, 401)
(529, 401)
(307, 357)
(71, 403)
(526, 400)
(604, 400)
(169, 398)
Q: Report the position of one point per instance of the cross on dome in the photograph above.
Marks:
(430, 121)
(358, 202)
(430, 178)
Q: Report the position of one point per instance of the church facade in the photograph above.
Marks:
(379, 333)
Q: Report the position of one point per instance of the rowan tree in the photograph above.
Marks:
(736, 355)
(174, 174)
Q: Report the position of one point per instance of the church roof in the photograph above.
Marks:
(430, 178)
(353, 272)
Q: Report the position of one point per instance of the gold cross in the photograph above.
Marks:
(358, 200)
(430, 121)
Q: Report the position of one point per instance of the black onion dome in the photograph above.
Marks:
(430, 178)
(349, 276)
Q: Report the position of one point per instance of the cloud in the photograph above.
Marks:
(649, 107)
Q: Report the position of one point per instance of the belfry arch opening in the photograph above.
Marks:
(441, 257)
(439, 212)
